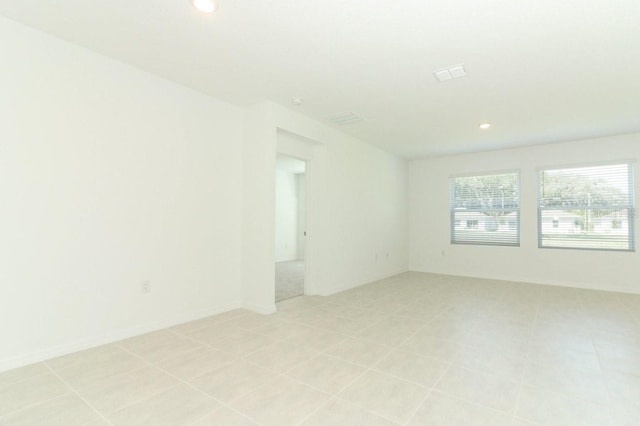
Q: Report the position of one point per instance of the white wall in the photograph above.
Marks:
(109, 176)
(357, 212)
(366, 218)
(286, 239)
(429, 219)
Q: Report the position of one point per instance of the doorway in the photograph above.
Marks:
(290, 227)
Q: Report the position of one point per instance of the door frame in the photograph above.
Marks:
(304, 149)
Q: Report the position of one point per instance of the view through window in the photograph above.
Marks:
(586, 207)
(485, 209)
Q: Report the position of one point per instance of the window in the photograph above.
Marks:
(586, 207)
(485, 209)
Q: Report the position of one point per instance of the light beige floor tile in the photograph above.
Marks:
(213, 334)
(312, 318)
(619, 357)
(444, 410)
(282, 330)
(251, 320)
(625, 418)
(158, 346)
(402, 323)
(196, 326)
(342, 325)
(118, 391)
(67, 410)
(434, 347)
(225, 416)
(550, 408)
(99, 422)
(387, 396)
(520, 422)
(338, 412)
(30, 391)
(281, 403)
(107, 354)
(577, 322)
(242, 342)
(84, 372)
(385, 306)
(560, 336)
(196, 363)
(281, 356)
(391, 331)
(618, 322)
(486, 358)
(18, 374)
(326, 373)
(631, 340)
(452, 325)
(421, 311)
(233, 380)
(486, 389)
(560, 356)
(584, 384)
(413, 367)
(359, 351)
(317, 339)
(180, 405)
(489, 329)
(625, 395)
(365, 316)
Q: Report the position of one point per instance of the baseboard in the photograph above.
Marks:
(529, 280)
(338, 289)
(91, 342)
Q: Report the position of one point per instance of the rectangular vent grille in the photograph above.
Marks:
(456, 71)
(344, 118)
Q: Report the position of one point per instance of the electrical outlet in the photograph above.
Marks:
(146, 286)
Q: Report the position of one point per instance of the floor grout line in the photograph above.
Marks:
(526, 361)
(183, 382)
(73, 390)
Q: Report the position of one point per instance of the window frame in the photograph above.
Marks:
(452, 210)
(630, 208)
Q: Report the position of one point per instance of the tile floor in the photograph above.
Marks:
(415, 349)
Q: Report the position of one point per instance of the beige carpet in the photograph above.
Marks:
(289, 279)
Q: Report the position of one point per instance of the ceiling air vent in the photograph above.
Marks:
(456, 71)
(344, 118)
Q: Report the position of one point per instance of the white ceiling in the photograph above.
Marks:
(539, 70)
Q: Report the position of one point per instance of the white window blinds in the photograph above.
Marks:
(485, 209)
(586, 207)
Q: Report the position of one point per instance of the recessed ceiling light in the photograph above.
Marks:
(485, 126)
(206, 6)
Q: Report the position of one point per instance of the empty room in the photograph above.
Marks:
(244, 212)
